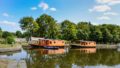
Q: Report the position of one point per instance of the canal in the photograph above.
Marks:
(67, 58)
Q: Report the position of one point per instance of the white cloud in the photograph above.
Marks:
(9, 26)
(53, 9)
(100, 8)
(111, 13)
(34, 8)
(5, 14)
(7, 23)
(109, 2)
(43, 5)
(103, 18)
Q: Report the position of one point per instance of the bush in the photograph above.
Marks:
(10, 40)
(5, 34)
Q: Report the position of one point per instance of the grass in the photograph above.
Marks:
(3, 44)
(24, 44)
(13, 45)
(9, 45)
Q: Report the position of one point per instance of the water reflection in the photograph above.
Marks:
(74, 58)
(18, 55)
(50, 51)
(86, 50)
(85, 57)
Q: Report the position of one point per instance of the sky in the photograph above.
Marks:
(94, 11)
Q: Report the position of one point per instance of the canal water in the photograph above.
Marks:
(67, 58)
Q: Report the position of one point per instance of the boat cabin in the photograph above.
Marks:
(86, 43)
(47, 42)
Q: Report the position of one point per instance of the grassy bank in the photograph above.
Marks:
(9, 45)
(107, 46)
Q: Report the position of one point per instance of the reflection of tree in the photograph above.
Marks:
(104, 57)
(9, 53)
(39, 60)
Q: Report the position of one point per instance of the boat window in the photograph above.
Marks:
(50, 42)
(54, 42)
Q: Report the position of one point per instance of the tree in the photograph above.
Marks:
(48, 27)
(10, 39)
(69, 30)
(116, 36)
(0, 32)
(96, 35)
(18, 34)
(82, 35)
(26, 35)
(83, 30)
(107, 36)
(6, 34)
(28, 24)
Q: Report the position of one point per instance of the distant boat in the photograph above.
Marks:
(46, 43)
(84, 44)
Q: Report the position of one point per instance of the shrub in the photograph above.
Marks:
(5, 34)
(10, 39)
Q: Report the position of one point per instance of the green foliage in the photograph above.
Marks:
(28, 24)
(18, 34)
(83, 30)
(0, 32)
(10, 40)
(48, 27)
(68, 30)
(96, 35)
(6, 34)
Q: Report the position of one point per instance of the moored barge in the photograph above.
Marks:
(84, 44)
(47, 43)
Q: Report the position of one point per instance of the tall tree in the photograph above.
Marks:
(83, 30)
(107, 36)
(96, 34)
(18, 34)
(69, 30)
(0, 32)
(28, 24)
(48, 26)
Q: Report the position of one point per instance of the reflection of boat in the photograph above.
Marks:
(47, 43)
(87, 50)
(51, 51)
(84, 44)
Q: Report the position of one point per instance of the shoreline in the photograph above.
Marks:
(18, 47)
(107, 46)
(10, 48)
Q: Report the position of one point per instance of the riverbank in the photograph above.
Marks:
(7, 63)
(106, 46)
(10, 47)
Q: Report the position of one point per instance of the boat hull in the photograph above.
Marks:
(80, 46)
(46, 47)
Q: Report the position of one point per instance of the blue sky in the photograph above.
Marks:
(95, 11)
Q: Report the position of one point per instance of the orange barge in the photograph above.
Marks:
(47, 43)
(84, 44)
